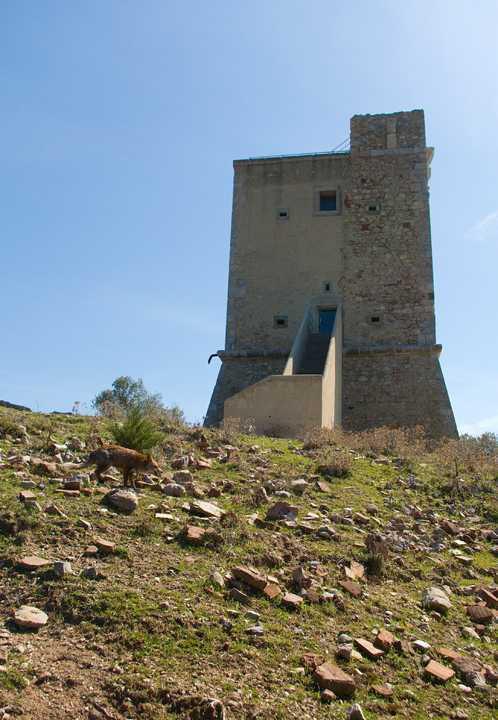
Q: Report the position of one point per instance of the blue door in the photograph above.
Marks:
(326, 321)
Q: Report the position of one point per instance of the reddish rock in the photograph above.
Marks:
(312, 595)
(193, 534)
(311, 661)
(403, 647)
(32, 562)
(204, 463)
(292, 601)
(330, 677)
(450, 527)
(205, 509)
(358, 569)
(91, 550)
(105, 547)
(30, 617)
(449, 654)
(282, 511)
(488, 597)
(351, 587)
(327, 696)
(465, 665)
(361, 519)
(45, 469)
(271, 590)
(384, 690)
(264, 524)
(384, 640)
(250, 577)
(480, 613)
(239, 596)
(54, 510)
(68, 493)
(73, 484)
(368, 649)
(27, 496)
(439, 672)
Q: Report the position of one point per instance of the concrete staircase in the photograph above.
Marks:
(315, 354)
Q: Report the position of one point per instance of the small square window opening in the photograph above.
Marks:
(328, 201)
(280, 321)
(283, 214)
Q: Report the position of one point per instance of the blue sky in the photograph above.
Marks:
(119, 122)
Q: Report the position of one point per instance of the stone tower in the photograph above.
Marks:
(330, 316)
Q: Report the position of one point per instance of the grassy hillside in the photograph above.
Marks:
(159, 619)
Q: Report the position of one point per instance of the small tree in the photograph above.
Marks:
(127, 393)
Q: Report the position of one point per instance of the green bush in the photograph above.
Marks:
(137, 432)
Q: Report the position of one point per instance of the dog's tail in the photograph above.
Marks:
(76, 466)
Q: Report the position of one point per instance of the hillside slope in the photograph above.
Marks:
(289, 581)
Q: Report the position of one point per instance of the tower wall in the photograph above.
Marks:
(349, 229)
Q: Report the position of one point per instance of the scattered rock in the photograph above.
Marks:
(282, 511)
(174, 490)
(62, 568)
(54, 510)
(205, 509)
(470, 633)
(192, 534)
(45, 469)
(239, 596)
(292, 601)
(217, 579)
(255, 630)
(436, 599)
(384, 690)
(355, 712)
(104, 546)
(30, 617)
(32, 562)
(181, 463)
(439, 672)
(384, 640)
(123, 499)
(311, 661)
(76, 444)
(299, 486)
(250, 577)
(330, 677)
(368, 649)
(351, 587)
(272, 591)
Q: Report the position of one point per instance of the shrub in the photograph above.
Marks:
(336, 464)
(137, 432)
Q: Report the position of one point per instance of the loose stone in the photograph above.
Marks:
(30, 617)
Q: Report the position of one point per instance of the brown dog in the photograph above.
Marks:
(128, 461)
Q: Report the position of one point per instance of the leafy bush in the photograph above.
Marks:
(137, 432)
